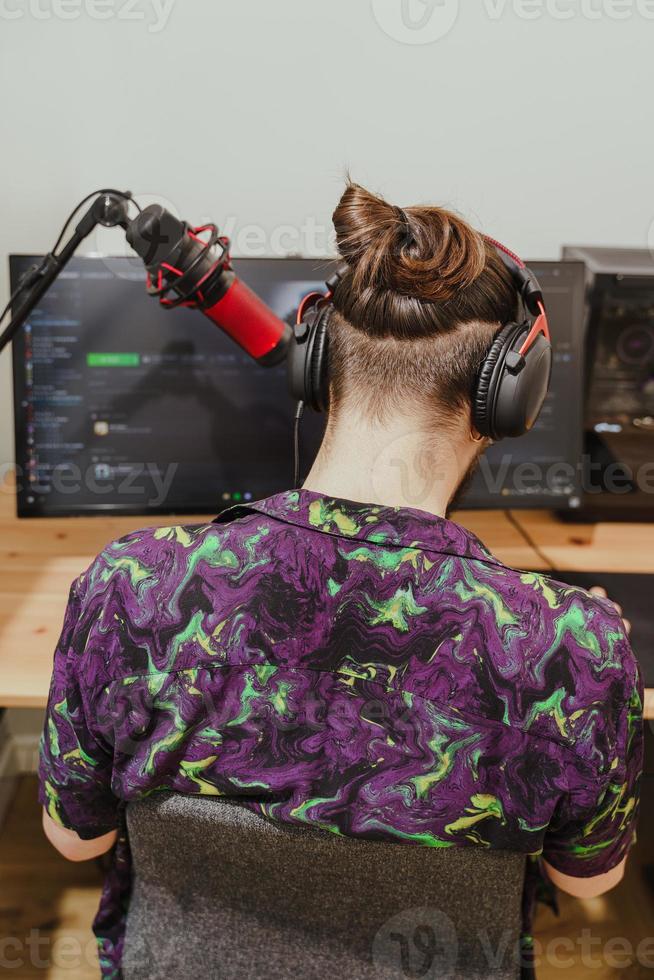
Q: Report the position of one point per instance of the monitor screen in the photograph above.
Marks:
(123, 407)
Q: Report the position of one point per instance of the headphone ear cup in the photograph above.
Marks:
(487, 380)
(307, 359)
(511, 389)
(522, 387)
(319, 361)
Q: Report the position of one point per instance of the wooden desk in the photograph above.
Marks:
(40, 558)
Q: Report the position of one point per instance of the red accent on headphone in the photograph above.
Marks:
(541, 326)
(311, 300)
(507, 251)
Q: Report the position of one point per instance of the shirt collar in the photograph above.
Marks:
(402, 527)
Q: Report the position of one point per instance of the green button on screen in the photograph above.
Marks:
(113, 360)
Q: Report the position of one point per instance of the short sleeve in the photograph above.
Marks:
(74, 769)
(595, 824)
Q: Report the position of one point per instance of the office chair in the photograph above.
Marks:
(222, 892)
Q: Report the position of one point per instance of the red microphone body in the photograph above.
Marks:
(252, 324)
(186, 269)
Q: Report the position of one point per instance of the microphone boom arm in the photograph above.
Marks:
(108, 209)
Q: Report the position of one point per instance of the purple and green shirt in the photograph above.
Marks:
(371, 671)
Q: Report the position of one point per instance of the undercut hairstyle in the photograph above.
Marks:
(416, 312)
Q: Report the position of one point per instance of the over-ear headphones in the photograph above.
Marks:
(512, 381)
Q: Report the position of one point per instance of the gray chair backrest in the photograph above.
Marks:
(221, 892)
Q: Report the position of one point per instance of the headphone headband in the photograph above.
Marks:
(525, 281)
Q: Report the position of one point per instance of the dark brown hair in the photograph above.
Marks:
(416, 312)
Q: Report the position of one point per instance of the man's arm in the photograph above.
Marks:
(80, 811)
(586, 854)
(602, 883)
(71, 845)
(586, 887)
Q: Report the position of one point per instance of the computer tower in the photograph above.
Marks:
(618, 460)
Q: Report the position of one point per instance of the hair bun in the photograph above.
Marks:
(424, 252)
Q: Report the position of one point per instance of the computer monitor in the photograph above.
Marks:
(123, 407)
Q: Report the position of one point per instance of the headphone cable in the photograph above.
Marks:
(526, 536)
(299, 411)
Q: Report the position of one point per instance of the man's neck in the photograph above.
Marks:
(396, 465)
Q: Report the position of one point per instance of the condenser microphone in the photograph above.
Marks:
(192, 267)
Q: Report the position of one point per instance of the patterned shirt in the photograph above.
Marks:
(368, 670)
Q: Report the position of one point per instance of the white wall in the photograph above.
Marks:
(537, 127)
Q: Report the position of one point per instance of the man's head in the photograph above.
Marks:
(415, 315)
